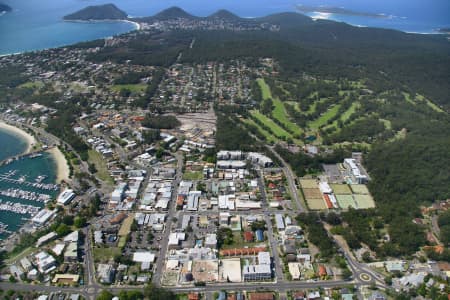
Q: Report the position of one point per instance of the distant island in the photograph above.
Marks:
(337, 10)
(98, 12)
(444, 30)
(4, 8)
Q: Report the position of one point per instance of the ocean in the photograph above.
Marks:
(11, 144)
(25, 170)
(35, 25)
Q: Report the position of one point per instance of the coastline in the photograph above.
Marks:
(135, 24)
(62, 168)
(28, 138)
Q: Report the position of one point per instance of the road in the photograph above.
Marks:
(156, 280)
(89, 292)
(290, 179)
(270, 235)
(360, 271)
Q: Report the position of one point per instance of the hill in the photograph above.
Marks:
(224, 14)
(173, 13)
(5, 8)
(99, 12)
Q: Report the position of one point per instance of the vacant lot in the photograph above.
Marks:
(100, 165)
(106, 254)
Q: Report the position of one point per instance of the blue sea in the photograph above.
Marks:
(37, 25)
(28, 169)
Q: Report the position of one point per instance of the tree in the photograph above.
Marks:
(152, 292)
(79, 222)
(62, 230)
(267, 106)
(104, 295)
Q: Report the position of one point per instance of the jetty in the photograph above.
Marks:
(33, 154)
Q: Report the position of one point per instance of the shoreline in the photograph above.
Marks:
(135, 24)
(62, 167)
(22, 134)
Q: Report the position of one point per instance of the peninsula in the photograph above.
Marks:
(98, 12)
(336, 10)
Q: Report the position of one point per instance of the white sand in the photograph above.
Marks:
(30, 140)
(62, 168)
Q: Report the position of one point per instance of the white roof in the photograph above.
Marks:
(72, 237)
(143, 257)
(58, 249)
(264, 258)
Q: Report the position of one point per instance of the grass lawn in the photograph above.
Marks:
(408, 98)
(345, 116)
(312, 108)
(323, 119)
(240, 243)
(100, 165)
(429, 103)
(106, 254)
(279, 111)
(269, 136)
(126, 226)
(265, 89)
(32, 85)
(21, 255)
(274, 127)
(134, 88)
(193, 175)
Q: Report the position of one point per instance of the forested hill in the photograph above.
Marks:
(171, 13)
(99, 12)
(327, 48)
(4, 7)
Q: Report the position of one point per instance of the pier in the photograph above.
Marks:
(21, 156)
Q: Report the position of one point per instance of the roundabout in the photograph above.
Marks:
(365, 277)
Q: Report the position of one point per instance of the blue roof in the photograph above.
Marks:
(259, 235)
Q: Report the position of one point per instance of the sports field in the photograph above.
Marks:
(312, 194)
(364, 201)
(345, 201)
(316, 204)
(360, 189)
(309, 183)
(341, 189)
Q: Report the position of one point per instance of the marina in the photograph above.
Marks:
(25, 195)
(19, 208)
(7, 177)
(26, 185)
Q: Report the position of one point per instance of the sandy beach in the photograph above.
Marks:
(30, 140)
(62, 168)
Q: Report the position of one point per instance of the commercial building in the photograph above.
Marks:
(43, 216)
(261, 271)
(45, 262)
(256, 272)
(65, 197)
(105, 273)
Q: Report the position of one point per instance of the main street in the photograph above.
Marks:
(165, 240)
